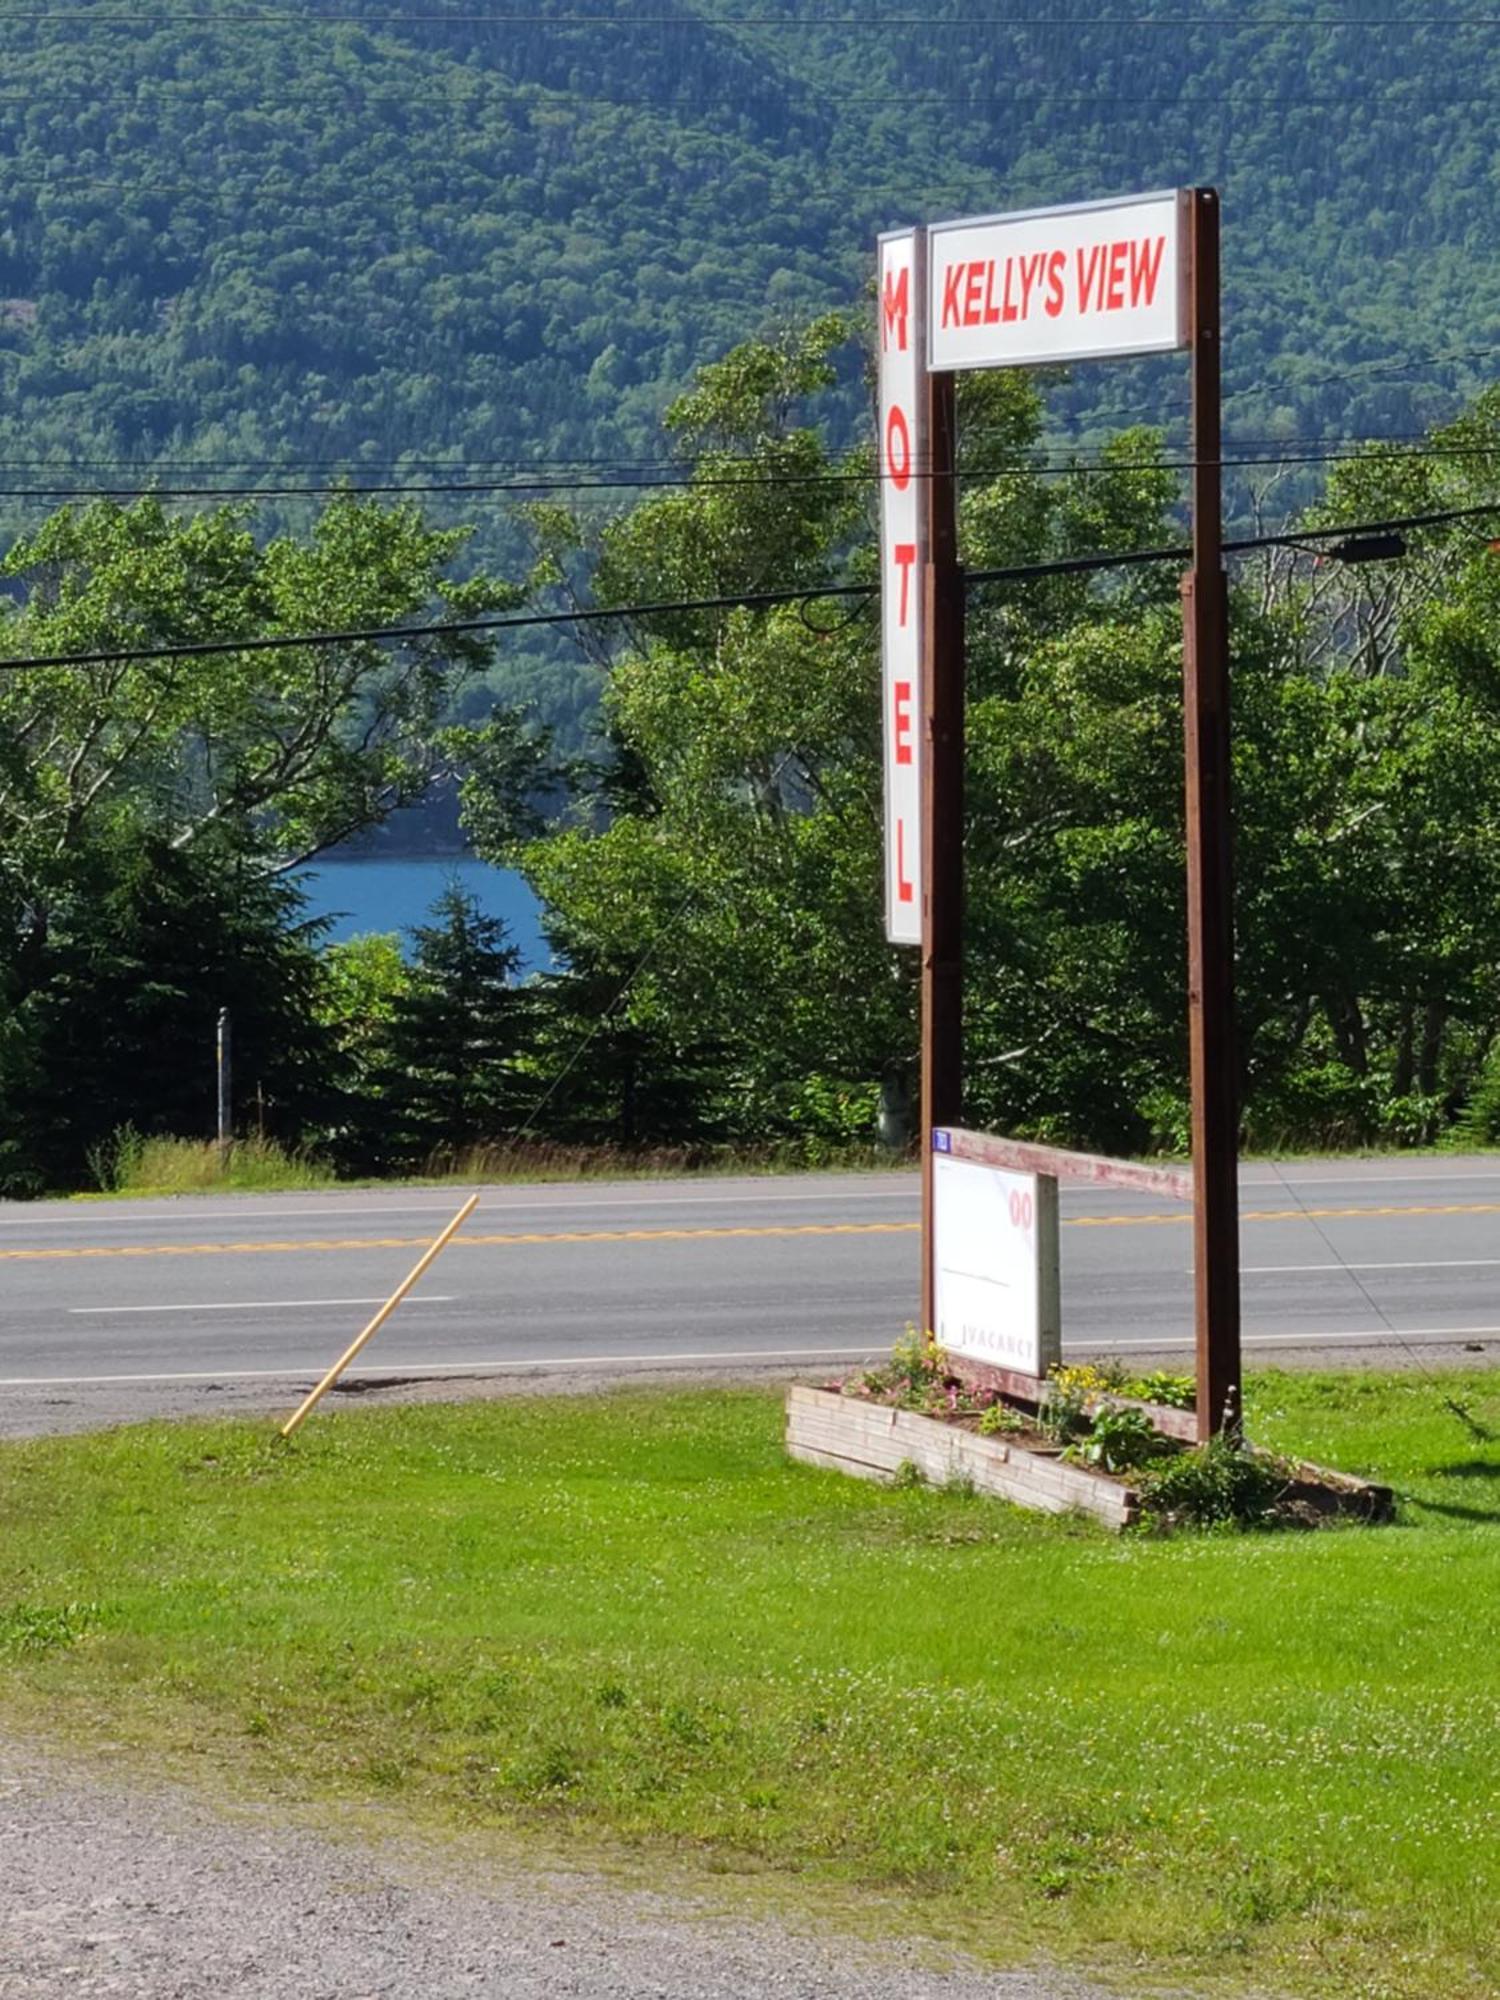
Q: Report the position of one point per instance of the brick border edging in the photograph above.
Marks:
(873, 1441)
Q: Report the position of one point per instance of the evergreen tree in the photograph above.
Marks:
(458, 1033)
(108, 1009)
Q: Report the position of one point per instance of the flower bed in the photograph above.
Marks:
(1092, 1443)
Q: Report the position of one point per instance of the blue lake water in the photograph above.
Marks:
(383, 895)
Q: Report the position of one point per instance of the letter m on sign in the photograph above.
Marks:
(895, 310)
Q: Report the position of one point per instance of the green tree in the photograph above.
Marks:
(458, 1033)
(364, 982)
(302, 746)
(727, 881)
(108, 1018)
(723, 876)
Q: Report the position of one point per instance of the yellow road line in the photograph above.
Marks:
(459, 1242)
(1165, 1218)
(1185, 1214)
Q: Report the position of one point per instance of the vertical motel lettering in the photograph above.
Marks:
(895, 335)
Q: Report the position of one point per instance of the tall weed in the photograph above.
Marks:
(128, 1163)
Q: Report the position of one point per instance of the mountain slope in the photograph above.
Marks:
(337, 235)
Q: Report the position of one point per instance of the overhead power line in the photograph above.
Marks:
(1394, 100)
(730, 601)
(782, 23)
(1355, 452)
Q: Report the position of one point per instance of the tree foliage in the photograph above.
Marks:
(458, 1029)
(711, 873)
(108, 1017)
(721, 886)
(299, 745)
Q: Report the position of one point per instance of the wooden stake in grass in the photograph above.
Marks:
(427, 1257)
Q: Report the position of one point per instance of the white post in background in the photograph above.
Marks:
(224, 1060)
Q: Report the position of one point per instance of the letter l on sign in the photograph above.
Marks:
(904, 490)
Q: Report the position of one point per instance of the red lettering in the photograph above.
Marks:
(1114, 300)
(1031, 271)
(971, 294)
(905, 888)
(1145, 269)
(895, 309)
(1086, 277)
(898, 448)
(904, 554)
(952, 279)
(903, 722)
(1009, 314)
(991, 310)
(1057, 263)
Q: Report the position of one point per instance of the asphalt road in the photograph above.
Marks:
(132, 1306)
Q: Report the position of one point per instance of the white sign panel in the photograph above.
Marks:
(1058, 284)
(903, 554)
(995, 1258)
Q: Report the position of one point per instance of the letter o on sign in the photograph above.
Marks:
(898, 448)
(1020, 1211)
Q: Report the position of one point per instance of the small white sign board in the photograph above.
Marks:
(1058, 284)
(995, 1256)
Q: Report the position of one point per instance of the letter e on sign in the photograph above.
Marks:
(902, 293)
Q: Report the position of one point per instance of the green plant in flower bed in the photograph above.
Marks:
(918, 1377)
(1000, 1420)
(1174, 1392)
(1071, 1394)
(1119, 1441)
(1220, 1484)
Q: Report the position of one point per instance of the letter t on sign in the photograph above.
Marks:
(905, 489)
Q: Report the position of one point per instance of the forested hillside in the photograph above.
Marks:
(352, 234)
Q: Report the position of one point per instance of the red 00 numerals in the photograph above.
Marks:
(1020, 1210)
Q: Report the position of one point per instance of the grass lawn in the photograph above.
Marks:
(629, 1618)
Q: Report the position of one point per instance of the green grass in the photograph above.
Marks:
(131, 1164)
(629, 1619)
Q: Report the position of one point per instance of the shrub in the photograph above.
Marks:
(1478, 1124)
(1222, 1483)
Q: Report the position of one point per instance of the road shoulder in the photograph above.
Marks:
(115, 1887)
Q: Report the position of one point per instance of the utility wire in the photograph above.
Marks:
(519, 471)
(1355, 453)
(843, 23)
(383, 634)
(516, 468)
(1395, 99)
(730, 601)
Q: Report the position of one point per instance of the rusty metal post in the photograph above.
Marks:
(1213, 1056)
(942, 809)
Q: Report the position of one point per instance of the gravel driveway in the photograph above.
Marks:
(112, 1888)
